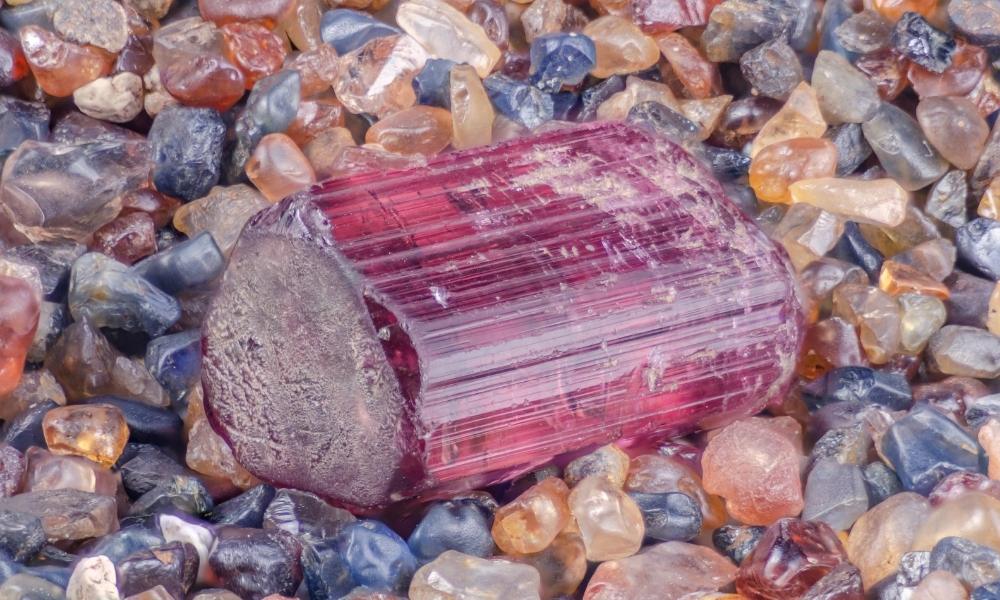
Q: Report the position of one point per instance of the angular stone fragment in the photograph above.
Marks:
(187, 151)
(772, 68)
(973, 564)
(447, 33)
(93, 578)
(376, 78)
(955, 129)
(666, 571)
(967, 351)
(799, 117)
(101, 23)
(736, 26)
(922, 317)
(902, 148)
(222, 213)
(925, 45)
(609, 461)
(978, 243)
(253, 49)
(454, 575)
(60, 67)
(789, 559)
(835, 494)
(845, 95)
(471, 112)
(67, 514)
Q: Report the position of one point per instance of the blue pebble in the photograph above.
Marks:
(147, 424)
(20, 121)
(347, 29)
(880, 482)
(175, 360)
(669, 517)
(974, 564)
(982, 409)
(990, 591)
(53, 261)
(109, 294)
(661, 119)
(25, 429)
(460, 525)
(595, 95)
(861, 384)
(376, 556)
(184, 266)
(271, 108)
(433, 83)
(978, 244)
(519, 101)
(187, 151)
(245, 510)
(564, 104)
(327, 575)
(559, 59)
(127, 540)
(726, 163)
(925, 446)
(855, 249)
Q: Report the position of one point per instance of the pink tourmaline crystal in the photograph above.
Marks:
(396, 333)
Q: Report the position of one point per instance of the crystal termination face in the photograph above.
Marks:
(405, 333)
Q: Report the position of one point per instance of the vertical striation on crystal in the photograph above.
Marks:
(399, 333)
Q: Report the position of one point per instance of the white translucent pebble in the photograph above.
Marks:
(447, 33)
(610, 521)
(457, 576)
(93, 578)
(117, 99)
(176, 529)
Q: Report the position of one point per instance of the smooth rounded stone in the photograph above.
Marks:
(101, 23)
(97, 432)
(737, 26)
(971, 513)
(415, 130)
(789, 559)
(922, 317)
(20, 121)
(772, 68)
(622, 48)
(21, 536)
(278, 168)
(326, 576)
(925, 446)
(955, 129)
(902, 148)
(638, 91)
(93, 578)
(222, 213)
(254, 563)
(757, 491)
(253, 49)
(188, 265)
(66, 514)
(973, 564)
(610, 522)
(659, 474)
(737, 541)
(347, 30)
(146, 424)
(173, 567)
(175, 359)
(976, 19)
(844, 93)
(919, 41)
(781, 164)
(447, 33)
(882, 535)
(187, 151)
(668, 517)
(978, 243)
(460, 525)
(59, 66)
(117, 98)
(304, 515)
(272, 107)
(123, 542)
(968, 303)
(835, 494)
(453, 576)
(519, 101)
(48, 471)
(667, 571)
(559, 59)
(562, 565)
(183, 493)
(108, 294)
(39, 177)
(376, 556)
(23, 586)
(966, 351)
(864, 32)
(609, 461)
(530, 522)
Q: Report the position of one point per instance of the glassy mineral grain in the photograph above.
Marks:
(551, 257)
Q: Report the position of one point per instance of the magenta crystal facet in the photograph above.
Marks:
(394, 334)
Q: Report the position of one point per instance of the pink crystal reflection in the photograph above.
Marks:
(557, 297)
(553, 293)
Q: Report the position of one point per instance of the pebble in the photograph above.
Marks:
(773, 69)
(531, 521)
(845, 94)
(976, 242)
(185, 266)
(955, 129)
(918, 40)
(278, 167)
(187, 151)
(472, 114)
(882, 535)
(519, 101)
(736, 26)
(902, 148)
(610, 521)
(789, 558)
(621, 47)
(255, 563)
(93, 578)
(783, 163)
(562, 566)
(666, 571)
(669, 517)
(376, 556)
(447, 33)
(453, 575)
(561, 59)
(416, 130)
(347, 30)
(460, 525)
(966, 351)
(835, 494)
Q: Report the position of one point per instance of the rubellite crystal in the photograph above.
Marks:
(458, 324)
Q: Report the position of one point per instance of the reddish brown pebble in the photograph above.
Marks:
(278, 168)
(97, 432)
(253, 49)
(269, 12)
(60, 67)
(128, 238)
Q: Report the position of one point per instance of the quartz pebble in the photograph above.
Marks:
(61, 67)
(835, 494)
(376, 78)
(278, 168)
(666, 571)
(621, 47)
(879, 201)
(534, 519)
(415, 130)
(955, 129)
(610, 522)
(454, 575)
(967, 351)
(799, 117)
(96, 432)
(845, 95)
(882, 535)
(93, 578)
(781, 164)
(902, 148)
(447, 33)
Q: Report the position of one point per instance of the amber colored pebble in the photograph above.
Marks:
(699, 76)
(821, 277)
(879, 201)
(416, 130)
(968, 64)
(128, 238)
(204, 80)
(898, 278)
(894, 9)
(533, 520)
(472, 112)
(830, 344)
(621, 46)
(800, 117)
(147, 200)
(562, 565)
(18, 321)
(60, 67)
(317, 69)
(877, 316)
(253, 49)
(97, 432)
(270, 12)
(955, 128)
(989, 204)
(315, 116)
(779, 165)
(278, 168)
(887, 70)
